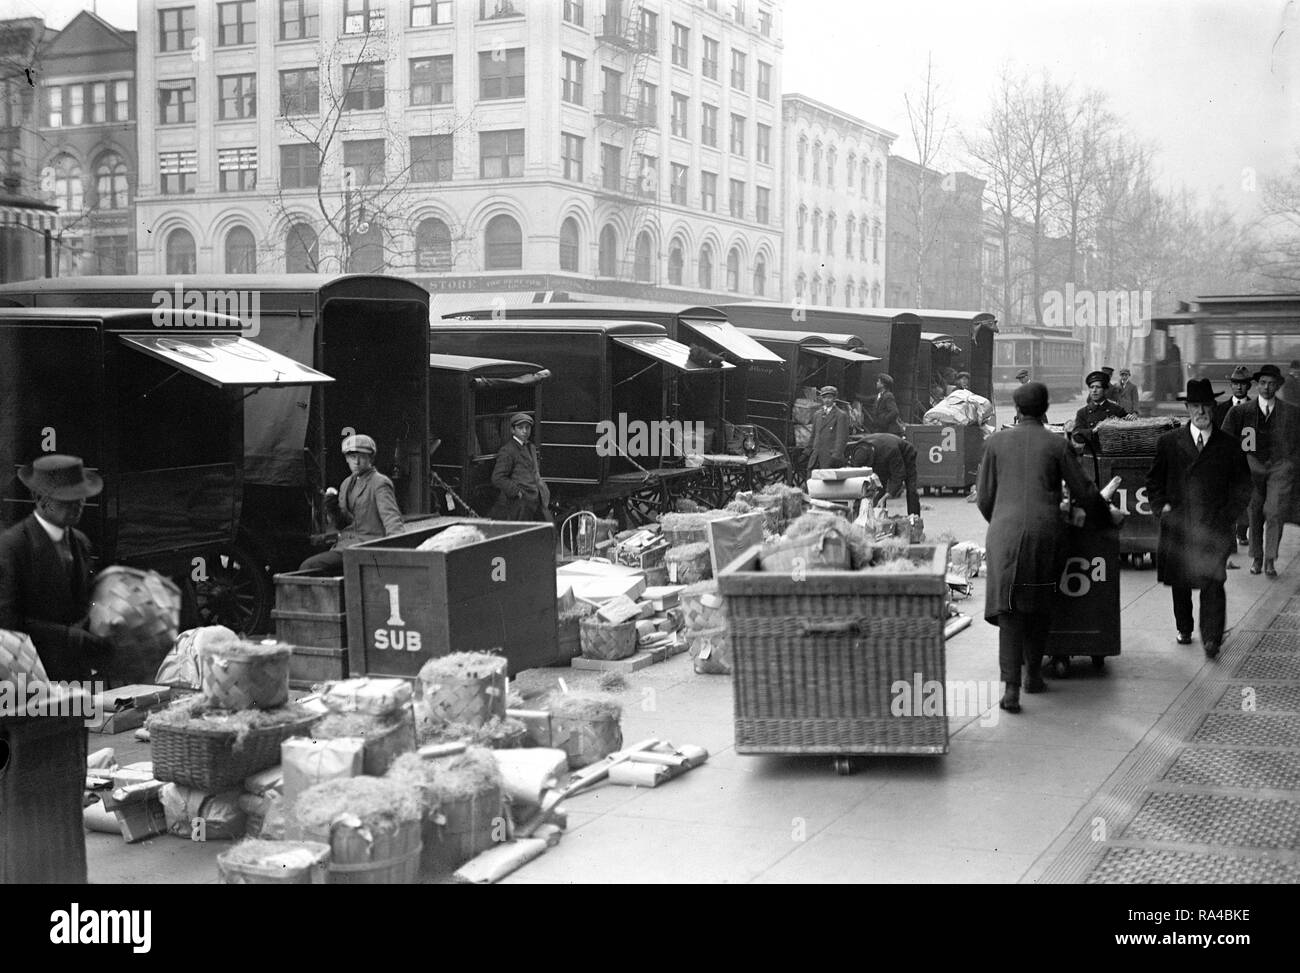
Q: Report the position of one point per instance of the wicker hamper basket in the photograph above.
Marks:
(815, 660)
(207, 756)
(1132, 437)
(139, 613)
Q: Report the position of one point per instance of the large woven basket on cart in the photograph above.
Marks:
(211, 757)
(816, 661)
(1132, 437)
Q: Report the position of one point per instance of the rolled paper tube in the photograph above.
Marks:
(638, 774)
(527, 774)
(432, 751)
(1109, 489)
(500, 860)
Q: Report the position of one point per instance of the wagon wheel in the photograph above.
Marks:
(844, 766)
(1099, 662)
(233, 589)
(643, 505)
(1061, 666)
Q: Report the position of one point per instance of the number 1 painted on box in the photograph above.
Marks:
(394, 607)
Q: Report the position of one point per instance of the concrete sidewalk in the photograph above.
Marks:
(1008, 802)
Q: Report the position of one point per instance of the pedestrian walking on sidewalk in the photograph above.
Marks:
(1269, 432)
(1241, 380)
(1199, 483)
(1019, 494)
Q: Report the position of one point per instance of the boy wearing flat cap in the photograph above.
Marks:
(1269, 433)
(830, 432)
(364, 507)
(45, 570)
(518, 476)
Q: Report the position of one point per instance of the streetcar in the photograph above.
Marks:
(1054, 360)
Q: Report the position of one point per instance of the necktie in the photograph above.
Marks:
(65, 552)
(1200, 442)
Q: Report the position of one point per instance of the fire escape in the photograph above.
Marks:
(624, 120)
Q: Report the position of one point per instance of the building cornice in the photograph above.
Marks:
(794, 101)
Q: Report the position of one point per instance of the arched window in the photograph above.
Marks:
(67, 184)
(366, 254)
(862, 294)
(848, 235)
(569, 245)
(705, 276)
(733, 270)
(817, 162)
(875, 294)
(817, 231)
(432, 245)
(760, 276)
(830, 233)
(875, 242)
(815, 294)
(111, 187)
(301, 250)
(862, 240)
(676, 263)
(241, 251)
(875, 178)
(830, 291)
(850, 167)
(608, 252)
(642, 263)
(848, 293)
(864, 176)
(800, 285)
(503, 244)
(801, 224)
(830, 167)
(179, 253)
(803, 157)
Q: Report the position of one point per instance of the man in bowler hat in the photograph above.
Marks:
(45, 570)
(518, 476)
(1199, 483)
(1269, 433)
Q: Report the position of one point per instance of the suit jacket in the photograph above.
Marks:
(883, 415)
(517, 474)
(366, 509)
(895, 461)
(39, 597)
(1019, 494)
(1207, 491)
(830, 433)
(1127, 398)
(1283, 430)
(1221, 410)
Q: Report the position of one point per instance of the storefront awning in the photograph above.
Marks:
(672, 353)
(826, 351)
(34, 217)
(225, 360)
(730, 337)
(504, 381)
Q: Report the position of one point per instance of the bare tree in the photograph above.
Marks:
(1081, 135)
(368, 211)
(1271, 254)
(1036, 119)
(928, 123)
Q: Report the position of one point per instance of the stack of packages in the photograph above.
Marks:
(880, 524)
(612, 614)
(205, 746)
(704, 622)
(823, 541)
(963, 408)
(644, 549)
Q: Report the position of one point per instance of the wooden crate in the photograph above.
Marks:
(946, 456)
(1140, 532)
(1086, 609)
(311, 664)
(405, 606)
(815, 661)
(309, 591)
(327, 630)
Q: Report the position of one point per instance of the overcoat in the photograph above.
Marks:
(883, 416)
(1019, 493)
(1207, 491)
(830, 433)
(518, 477)
(366, 509)
(39, 597)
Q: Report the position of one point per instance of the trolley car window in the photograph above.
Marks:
(1286, 347)
(1006, 352)
(1252, 345)
(1220, 340)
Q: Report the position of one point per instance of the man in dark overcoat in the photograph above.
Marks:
(45, 570)
(1019, 494)
(830, 432)
(1199, 484)
(1268, 431)
(517, 474)
(893, 460)
(1240, 379)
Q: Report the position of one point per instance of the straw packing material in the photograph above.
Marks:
(198, 816)
(465, 687)
(256, 862)
(139, 613)
(386, 737)
(457, 535)
(688, 563)
(586, 726)
(461, 796)
(603, 641)
(246, 675)
(183, 666)
(18, 656)
(372, 826)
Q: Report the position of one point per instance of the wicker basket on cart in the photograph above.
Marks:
(139, 613)
(246, 675)
(1132, 437)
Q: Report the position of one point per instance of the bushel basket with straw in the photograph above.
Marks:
(586, 726)
(1132, 437)
(600, 640)
(214, 750)
(808, 552)
(688, 563)
(465, 687)
(139, 613)
(257, 862)
(460, 798)
(246, 675)
(372, 826)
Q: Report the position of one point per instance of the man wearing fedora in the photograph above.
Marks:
(830, 431)
(1269, 433)
(518, 476)
(1198, 484)
(45, 570)
(364, 507)
(1241, 380)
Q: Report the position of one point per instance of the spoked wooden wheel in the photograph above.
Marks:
(643, 505)
(232, 588)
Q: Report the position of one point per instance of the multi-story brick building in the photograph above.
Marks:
(27, 224)
(621, 148)
(87, 131)
(835, 205)
(936, 238)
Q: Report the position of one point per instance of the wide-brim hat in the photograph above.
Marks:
(1241, 374)
(521, 417)
(828, 390)
(1098, 376)
(359, 443)
(1199, 392)
(61, 478)
(1271, 371)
